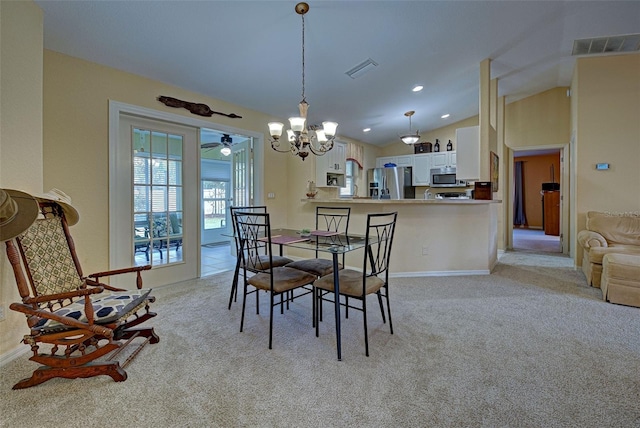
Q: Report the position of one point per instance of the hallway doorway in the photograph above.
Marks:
(538, 217)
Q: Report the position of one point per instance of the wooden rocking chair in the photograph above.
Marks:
(73, 319)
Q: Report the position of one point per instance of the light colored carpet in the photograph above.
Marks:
(535, 240)
(530, 345)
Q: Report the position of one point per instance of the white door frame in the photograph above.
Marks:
(117, 108)
(565, 193)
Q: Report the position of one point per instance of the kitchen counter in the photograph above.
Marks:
(434, 237)
(403, 201)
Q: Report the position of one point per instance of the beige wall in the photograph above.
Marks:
(20, 133)
(76, 97)
(539, 120)
(607, 130)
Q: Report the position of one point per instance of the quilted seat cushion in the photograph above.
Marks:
(318, 267)
(284, 279)
(350, 283)
(107, 308)
(262, 262)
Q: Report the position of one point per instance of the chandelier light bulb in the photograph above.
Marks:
(297, 124)
(275, 129)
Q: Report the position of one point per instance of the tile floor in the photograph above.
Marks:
(216, 259)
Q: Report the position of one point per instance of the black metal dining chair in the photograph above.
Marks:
(254, 233)
(275, 260)
(328, 219)
(374, 278)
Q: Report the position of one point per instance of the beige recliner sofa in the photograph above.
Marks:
(608, 233)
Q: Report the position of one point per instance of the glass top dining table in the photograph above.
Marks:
(333, 243)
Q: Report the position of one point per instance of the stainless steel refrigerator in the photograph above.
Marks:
(391, 183)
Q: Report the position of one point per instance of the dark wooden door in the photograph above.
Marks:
(552, 212)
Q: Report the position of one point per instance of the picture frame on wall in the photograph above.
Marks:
(494, 171)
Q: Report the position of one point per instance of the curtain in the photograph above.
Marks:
(355, 152)
(519, 218)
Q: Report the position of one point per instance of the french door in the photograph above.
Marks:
(155, 214)
(215, 210)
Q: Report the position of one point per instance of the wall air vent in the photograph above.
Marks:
(361, 68)
(603, 45)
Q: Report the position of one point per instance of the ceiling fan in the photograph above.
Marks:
(225, 141)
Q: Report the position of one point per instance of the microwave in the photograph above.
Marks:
(445, 177)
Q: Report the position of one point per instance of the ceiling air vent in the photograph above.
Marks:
(361, 68)
(610, 44)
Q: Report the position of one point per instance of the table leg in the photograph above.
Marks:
(336, 282)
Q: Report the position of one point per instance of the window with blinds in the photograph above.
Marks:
(157, 197)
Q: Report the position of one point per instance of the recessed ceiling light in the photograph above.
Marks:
(444, 116)
(417, 88)
(366, 130)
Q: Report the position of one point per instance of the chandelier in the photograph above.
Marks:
(302, 141)
(410, 138)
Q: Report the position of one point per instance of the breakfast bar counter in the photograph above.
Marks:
(434, 237)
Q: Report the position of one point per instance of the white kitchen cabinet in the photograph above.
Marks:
(382, 160)
(443, 159)
(330, 168)
(403, 160)
(406, 160)
(421, 169)
(468, 146)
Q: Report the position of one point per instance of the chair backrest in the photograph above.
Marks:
(379, 238)
(254, 238)
(48, 254)
(247, 209)
(333, 219)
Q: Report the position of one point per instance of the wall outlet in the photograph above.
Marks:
(271, 195)
(425, 250)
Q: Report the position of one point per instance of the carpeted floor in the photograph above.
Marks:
(535, 240)
(530, 345)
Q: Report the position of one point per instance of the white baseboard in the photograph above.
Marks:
(15, 353)
(438, 273)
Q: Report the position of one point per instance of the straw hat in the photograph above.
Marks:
(62, 199)
(18, 211)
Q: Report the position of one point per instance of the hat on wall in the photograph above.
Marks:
(62, 199)
(18, 211)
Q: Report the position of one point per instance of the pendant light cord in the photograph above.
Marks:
(303, 58)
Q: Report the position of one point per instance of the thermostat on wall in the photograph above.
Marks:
(602, 166)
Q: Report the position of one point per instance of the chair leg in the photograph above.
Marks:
(346, 307)
(313, 306)
(317, 296)
(386, 294)
(364, 317)
(234, 285)
(271, 319)
(384, 320)
(244, 305)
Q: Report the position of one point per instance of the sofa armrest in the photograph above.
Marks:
(588, 239)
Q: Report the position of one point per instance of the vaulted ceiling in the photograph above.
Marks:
(249, 52)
